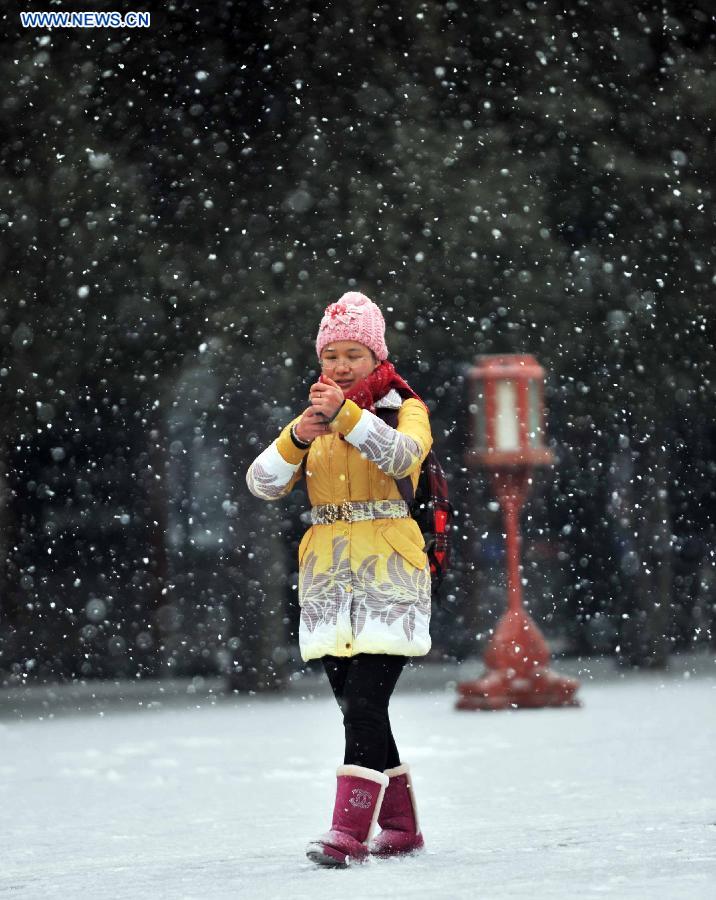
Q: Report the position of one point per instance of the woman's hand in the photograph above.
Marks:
(311, 425)
(326, 397)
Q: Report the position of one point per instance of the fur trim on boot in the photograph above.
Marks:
(359, 795)
(398, 817)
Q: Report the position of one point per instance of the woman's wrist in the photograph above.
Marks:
(302, 445)
(328, 422)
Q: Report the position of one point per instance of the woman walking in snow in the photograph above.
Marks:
(364, 579)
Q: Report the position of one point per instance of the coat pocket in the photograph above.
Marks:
(405, 546)
(303, 546)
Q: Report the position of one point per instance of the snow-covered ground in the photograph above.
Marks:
(218, 800)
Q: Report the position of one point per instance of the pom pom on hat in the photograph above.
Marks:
(353, 318)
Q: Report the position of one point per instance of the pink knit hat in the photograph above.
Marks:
(353, 318)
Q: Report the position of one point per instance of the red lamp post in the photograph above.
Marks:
(507, 415)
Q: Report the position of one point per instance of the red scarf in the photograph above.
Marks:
(376, 385)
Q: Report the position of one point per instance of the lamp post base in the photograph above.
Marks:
(517, 673)
(502, 689)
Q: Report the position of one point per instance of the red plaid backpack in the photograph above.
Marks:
(430, 507)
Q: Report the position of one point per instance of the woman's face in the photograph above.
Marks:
(347, 362)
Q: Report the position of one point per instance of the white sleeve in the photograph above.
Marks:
(391, 450)
(269, 475)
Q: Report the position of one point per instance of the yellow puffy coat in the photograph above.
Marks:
(364, 587)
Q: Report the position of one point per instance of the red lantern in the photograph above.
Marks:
(507, 401)
(507, 414)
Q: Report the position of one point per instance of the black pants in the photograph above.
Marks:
(362, 686)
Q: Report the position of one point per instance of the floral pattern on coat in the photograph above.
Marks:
(403, 593)
(264, 484)
(395, 453)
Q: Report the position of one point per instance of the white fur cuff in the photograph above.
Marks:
(362, 772)
(402, 769)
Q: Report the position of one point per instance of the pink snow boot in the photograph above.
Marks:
(398, 817)
(359, 794)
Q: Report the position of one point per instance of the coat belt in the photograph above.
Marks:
(359, 511)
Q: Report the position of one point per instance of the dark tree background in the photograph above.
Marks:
(180, 203)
